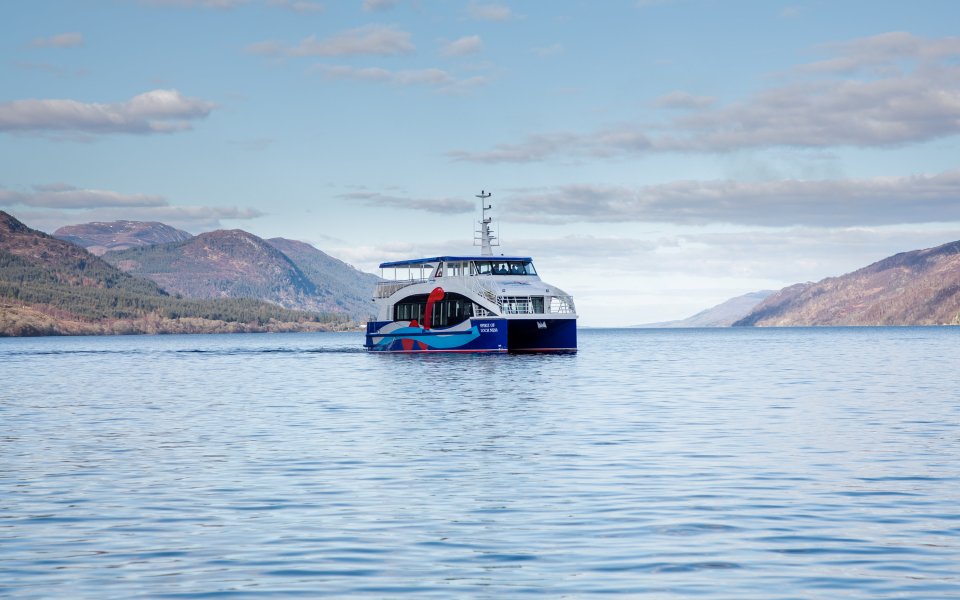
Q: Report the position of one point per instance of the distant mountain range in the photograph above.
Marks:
(155, 278)
(921, 287)
(53, 287)
(231, 264)
(722, 315)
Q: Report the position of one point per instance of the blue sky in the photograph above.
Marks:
(656, 157)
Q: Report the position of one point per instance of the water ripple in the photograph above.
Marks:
(667, 464)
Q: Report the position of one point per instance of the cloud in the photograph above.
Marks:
(865, 202)
(447, 206)
(64, 204)
(912, 95)
(300, 6)
(63, 40)
(67, 196)
(464, 46)
(432, 77)
(489, 12)
(157, 111)
(379, 40)
(790, 12)
(379, 5)
(195, 219)
(547, 51)
(684, 100)
(215, 4)
(884, 52)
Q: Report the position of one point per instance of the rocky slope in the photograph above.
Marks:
(921, 287)
(99, 238)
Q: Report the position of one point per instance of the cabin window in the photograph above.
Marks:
(504, 267)
(454, 269)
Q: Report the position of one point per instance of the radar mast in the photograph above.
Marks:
(487, 239)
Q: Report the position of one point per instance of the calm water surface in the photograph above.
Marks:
(757, 463)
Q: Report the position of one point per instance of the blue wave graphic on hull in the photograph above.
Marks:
(432, 339)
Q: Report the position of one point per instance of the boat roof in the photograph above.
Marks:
(435, 259)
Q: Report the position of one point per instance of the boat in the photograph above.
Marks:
(482, 303)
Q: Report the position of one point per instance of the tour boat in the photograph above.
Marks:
(482, 303)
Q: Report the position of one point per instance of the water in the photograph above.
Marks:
(748, 463)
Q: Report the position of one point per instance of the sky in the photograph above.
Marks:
(655, 157)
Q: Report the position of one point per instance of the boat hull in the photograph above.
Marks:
(474, 335)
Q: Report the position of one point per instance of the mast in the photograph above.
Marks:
(487, 239)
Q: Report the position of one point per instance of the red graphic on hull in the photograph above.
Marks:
(435, 296)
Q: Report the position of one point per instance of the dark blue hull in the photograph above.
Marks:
(542, 335)
(475, 335)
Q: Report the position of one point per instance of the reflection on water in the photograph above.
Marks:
(718, 463)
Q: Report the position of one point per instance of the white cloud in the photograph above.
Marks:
(911, 96)
(865, 202)
(489, 12)
(215, 4)
(49, 206)
(684, 100)
(195, 219)
(547, 51)
(450, 206)
(157, 111)
(67, 196)
(300, 6)
(63, 40)
(379, 5)
(885, 52)
(379, 40)
(464, 46)
(432, 77)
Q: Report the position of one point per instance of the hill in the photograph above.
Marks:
(99, 238)
(51, 287)
(921, 287)
(222, 264)
(343, 287)
(721, 315)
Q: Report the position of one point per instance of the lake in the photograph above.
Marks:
(724, 463)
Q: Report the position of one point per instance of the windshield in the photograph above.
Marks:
(505, 267)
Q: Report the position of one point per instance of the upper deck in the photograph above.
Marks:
(416, 262)
(503, 281)
(420, 270)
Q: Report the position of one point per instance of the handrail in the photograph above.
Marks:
(385, 289)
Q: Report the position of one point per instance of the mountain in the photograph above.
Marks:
(99, 238)
(921, 287)
(222, 264)
(53, 287)
(347, 288)
(721, 315)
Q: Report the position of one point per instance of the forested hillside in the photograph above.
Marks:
(343, 287)
(49, 286)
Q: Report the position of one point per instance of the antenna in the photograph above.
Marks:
(487, 239)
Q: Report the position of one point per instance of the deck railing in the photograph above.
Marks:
(385, 289)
